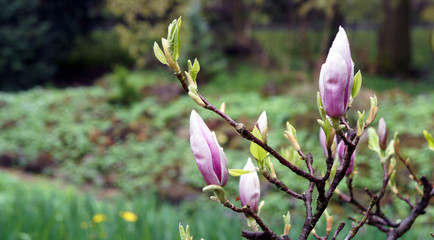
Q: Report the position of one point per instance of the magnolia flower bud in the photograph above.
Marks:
(323, 141)
(336, 77)
(249, 187)
(382, 134)
(261, 124)
(209, 156)
(342, 152)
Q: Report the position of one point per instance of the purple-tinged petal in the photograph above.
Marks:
(322, 140)
(382, 134)
(202, 155)
(249, 187)
(334, 83)
(224, 170)
(208, 154)
(336, 76)
(215, 153)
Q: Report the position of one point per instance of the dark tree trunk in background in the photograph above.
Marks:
(336, 19)
(229, 20)
(394, 55)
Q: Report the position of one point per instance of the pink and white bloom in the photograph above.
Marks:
(382, 134)
(342, 152)
(209, 156)
(336, 77)
(250, 191)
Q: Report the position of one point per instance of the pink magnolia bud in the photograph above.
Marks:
(262, 125)
(342, 152)
(323, 141)
(249, 187)
(209, 156)
(382, 134)
(262, 122)
(336, 77)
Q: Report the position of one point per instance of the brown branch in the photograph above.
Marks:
(344, 121)
(406, 223)
(406, 162)
(242, 130)
(267, 232)
(338, 230)
(405, 199)
(228, 204)
(280, 185)
(181, 79)
(355, 229)
(317, 236)
(309, 223)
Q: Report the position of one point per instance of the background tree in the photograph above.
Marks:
(394, 53)
(36, 35)
(142, 22)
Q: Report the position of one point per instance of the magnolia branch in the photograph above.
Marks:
(355, 229)
(280, 185)
(242, 130)
(338, 230)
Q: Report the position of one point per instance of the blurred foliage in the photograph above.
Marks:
(18, 65)
(70, 214)
(143, 22)
(34, 36)
(99, 48)
(289, 56)
(125, 91)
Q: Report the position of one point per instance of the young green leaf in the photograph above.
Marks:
(374, 144)
(193, 69)
(238, 172)
(173, 38)
(429, 139)
(360, 123)
(258, 152)
(159, 54)
(320, 106)
(390, 150)
(357, 84)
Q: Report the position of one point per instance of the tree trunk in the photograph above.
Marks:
(233, 30)
(394, 55)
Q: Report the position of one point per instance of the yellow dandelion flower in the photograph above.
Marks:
(83, 225)
(128, 216)
(99, 218)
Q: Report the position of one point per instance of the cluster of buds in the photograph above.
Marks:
(338, 86)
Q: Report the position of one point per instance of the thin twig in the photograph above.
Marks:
(344, 121)
(267, 232)
(280, 185)
(242, 130)
(355, 229)
(406, 162)
(316, 236)
(338, 230)
(405, 199)
(406, 223)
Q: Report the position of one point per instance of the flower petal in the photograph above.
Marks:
(249, 187)
(202, 155)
